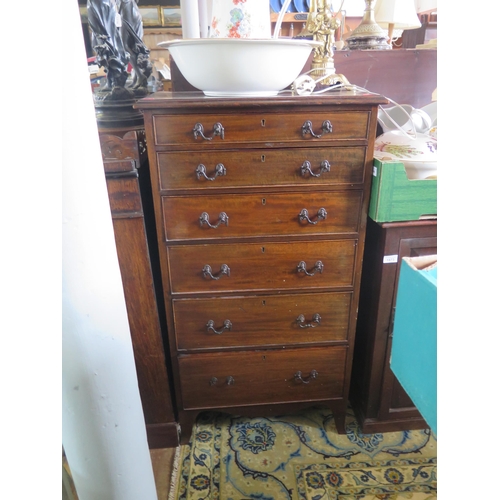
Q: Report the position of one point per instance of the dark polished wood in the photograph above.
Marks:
(259, 126)
(124, 160)
(270, 321)
(245, 378)
(234, 293)
(251, 169)
(407, 76)
(272, 214)
(261, 266)
(379, 401)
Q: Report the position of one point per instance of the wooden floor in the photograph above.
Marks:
(163, 461)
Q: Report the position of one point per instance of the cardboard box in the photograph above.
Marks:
(394, 197)
(414, 343)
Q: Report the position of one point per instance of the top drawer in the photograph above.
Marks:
(216, 130)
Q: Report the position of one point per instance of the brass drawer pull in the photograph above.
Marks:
(223, 219)
(318, 267)
(227, 326)
(304, 216)
(306, 168)
(218, 130)
(306, 380)
(201, 171)
(326, 128)
(316, 321)
(229, 380)
(224, 271)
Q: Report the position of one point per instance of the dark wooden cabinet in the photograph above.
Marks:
(379, 401)
(261, 207)
(125, 160)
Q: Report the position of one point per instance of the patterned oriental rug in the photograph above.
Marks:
(301, 457)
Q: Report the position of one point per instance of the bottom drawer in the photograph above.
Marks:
(261, 377)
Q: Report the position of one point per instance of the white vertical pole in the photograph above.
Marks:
(190, 19)
(202, 10)
(209, 14)
(103, 433)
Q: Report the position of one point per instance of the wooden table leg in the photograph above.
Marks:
(340, 422)
(187, 420)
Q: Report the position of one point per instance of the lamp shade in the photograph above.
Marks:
(401, 14)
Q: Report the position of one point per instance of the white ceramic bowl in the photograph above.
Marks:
(227, 67)
(417, 153)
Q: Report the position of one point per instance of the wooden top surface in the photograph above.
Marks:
(186, 100)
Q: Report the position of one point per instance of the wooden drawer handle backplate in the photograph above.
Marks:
(218, 130)
(307, 128)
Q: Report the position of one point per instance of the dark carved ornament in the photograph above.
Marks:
(117, 32)
(119, 148)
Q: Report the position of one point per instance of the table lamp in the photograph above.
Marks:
(368, 34)
(396, 15)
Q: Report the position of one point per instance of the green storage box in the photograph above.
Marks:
(414, 344)
(394, 197)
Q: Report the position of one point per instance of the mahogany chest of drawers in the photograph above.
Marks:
(261, 207)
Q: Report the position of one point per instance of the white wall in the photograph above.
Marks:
(425, 5)
(103, 429)
(356, 8)
(353, 8)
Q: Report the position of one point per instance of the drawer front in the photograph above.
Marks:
(261, 321)
(249, 266)
(266, 128)
(261, 377)
(188, 218)
(206, 170)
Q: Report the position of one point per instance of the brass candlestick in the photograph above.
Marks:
(321, 24)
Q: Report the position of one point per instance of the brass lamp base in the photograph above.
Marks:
(323, 81)
(321, 24)
(366, 43)
(324, 71)
(368, 35)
